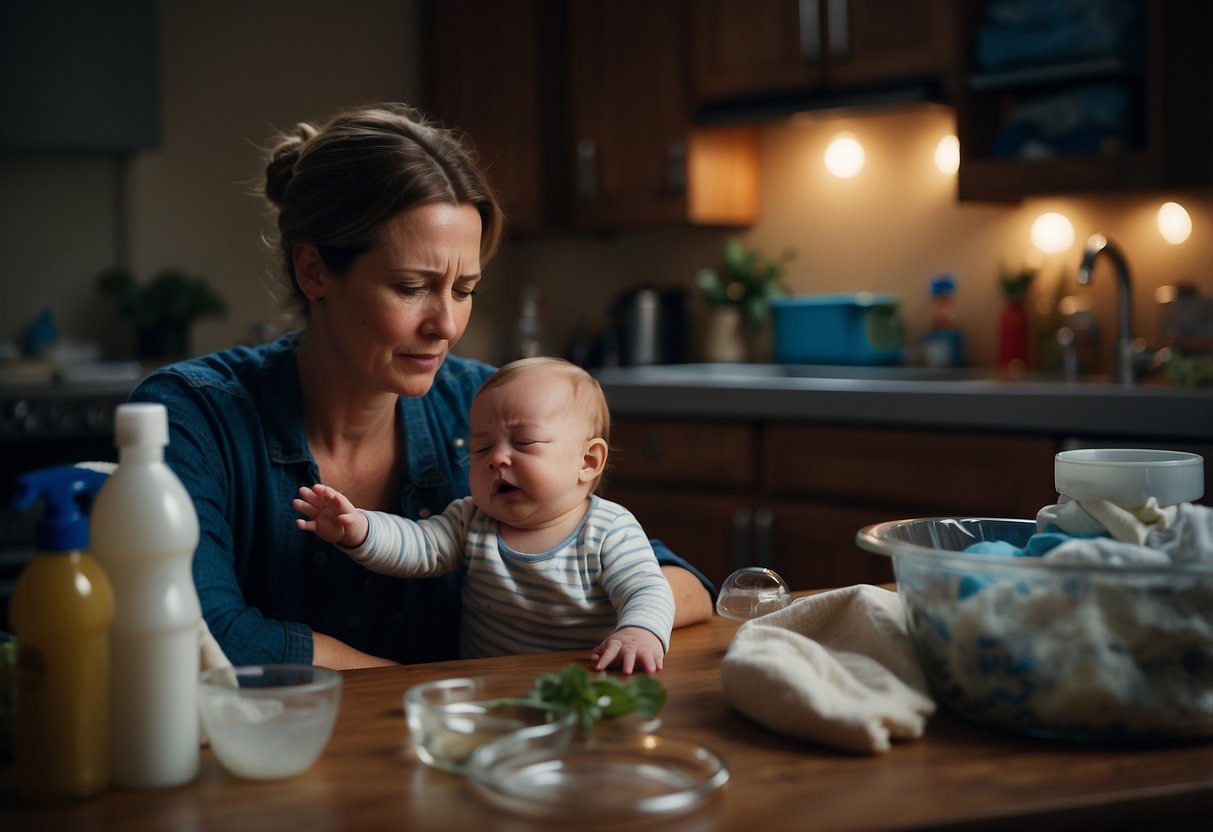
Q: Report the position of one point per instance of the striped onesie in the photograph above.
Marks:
(602, 576)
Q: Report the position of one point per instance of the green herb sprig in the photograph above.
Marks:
(597, 697)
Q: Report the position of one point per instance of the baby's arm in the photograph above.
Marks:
(330, 515)
(633, 648)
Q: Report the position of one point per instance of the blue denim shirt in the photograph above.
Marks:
(237, 440)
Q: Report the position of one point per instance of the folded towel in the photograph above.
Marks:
(1126, 524)
(837, 668)
(1190, 535)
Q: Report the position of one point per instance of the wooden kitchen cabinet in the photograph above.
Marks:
(791, 497)
(491, 71)
(690, 484)
(580, 110)
(766, 48)
(825, 483)
(1164, 72)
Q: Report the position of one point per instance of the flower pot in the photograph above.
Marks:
(725, 338)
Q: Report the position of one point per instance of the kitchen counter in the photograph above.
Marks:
(957, 776)
(910, 397)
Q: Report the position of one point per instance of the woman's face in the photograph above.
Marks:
(392, 319)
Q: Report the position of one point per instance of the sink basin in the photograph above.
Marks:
(771, 372)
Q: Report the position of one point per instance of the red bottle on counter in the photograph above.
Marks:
(1013, 337)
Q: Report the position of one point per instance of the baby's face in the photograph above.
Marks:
(528, 449)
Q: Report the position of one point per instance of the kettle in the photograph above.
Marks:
(652, 325)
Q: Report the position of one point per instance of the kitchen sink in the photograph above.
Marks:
(689, 373)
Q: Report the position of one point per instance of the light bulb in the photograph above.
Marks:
(1052, 233)
(947, 155)
(1174, 224)
(844, 157)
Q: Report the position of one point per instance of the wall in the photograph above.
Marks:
(890, 229)
(235, 72)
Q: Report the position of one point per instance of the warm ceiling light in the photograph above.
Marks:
(1174, 224)
(1052, 233)
(947, 155)
(844, 157)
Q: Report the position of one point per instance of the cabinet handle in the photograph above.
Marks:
(741, 538)
(810, 30)
(587, 169)
(764, 554)
(677, 156)
(839, 23)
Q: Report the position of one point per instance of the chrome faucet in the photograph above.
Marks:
(1098, 244)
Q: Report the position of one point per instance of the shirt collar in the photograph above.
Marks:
(286, 432)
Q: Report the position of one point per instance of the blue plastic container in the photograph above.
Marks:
(862, 328)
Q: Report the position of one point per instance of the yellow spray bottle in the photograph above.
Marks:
(61, 611)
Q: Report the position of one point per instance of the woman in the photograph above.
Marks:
(384, 226)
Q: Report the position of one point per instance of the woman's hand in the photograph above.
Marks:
(692, 602)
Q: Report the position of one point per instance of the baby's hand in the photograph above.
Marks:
(632, 648)
(330, 515)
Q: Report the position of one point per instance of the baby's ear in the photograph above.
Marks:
(593, 461)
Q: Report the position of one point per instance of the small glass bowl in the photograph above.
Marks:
(751, 592)
(268, 722)
(448, 719)
(619, 778)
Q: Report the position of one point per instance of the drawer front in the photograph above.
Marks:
(926, 472)
(710, 454)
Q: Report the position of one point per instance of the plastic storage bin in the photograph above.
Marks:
(861, 328)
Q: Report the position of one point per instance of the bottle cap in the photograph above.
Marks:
(66, 490)
(141, 423)
(944, 284)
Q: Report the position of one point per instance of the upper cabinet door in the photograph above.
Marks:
(580, 112)
(1121, 104)
(628, 111)
(875, 42)
(764, 48)
(746, 47)
(492, 70)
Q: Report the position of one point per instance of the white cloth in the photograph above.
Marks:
(837, 668)
(1126, 524)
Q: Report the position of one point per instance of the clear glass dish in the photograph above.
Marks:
(449, 718)
(751, 592)
(615, 777)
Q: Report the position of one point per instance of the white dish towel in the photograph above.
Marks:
(837, 668)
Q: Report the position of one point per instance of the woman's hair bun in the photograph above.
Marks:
(283, 154)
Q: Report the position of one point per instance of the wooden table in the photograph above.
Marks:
(957, 776)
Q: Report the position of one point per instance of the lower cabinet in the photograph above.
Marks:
(791, 497)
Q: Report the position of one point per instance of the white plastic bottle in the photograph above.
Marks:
(144, 532)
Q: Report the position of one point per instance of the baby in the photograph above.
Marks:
(548, 564)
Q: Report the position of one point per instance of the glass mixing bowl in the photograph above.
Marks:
(1062, 650)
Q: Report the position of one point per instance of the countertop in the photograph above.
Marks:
(957, 776)
(910, 397)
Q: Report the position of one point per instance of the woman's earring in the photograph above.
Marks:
(320, 299)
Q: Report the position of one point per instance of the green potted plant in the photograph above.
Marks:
(737, 296)
(163, 309)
